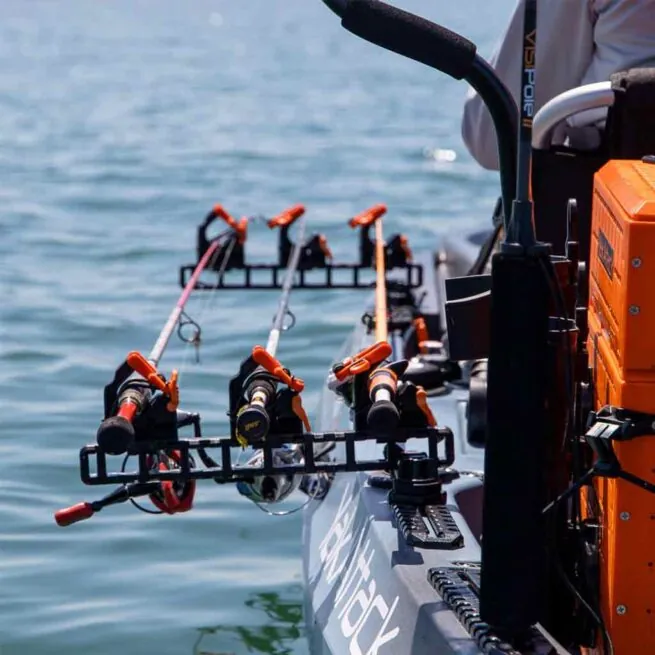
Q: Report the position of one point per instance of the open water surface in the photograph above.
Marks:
(121, 123)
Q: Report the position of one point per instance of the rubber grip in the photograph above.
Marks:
(115, 435)
(383, 417)
(253, 423)
(79, 512)
(410, 36)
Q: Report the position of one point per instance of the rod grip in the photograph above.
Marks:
(73, 514)
(116, 433)
(253, 422)
(411, 36)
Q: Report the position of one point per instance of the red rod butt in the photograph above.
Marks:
(73, 514)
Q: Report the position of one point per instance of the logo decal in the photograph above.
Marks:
(605, 253)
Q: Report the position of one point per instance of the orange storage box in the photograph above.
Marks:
(622, 285)
(621, 347)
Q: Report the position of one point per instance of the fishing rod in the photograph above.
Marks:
(116, 432)
(381, 315)
(253, 421)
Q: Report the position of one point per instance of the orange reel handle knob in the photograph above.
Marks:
(73, 514)
(273, 366)
(368, 217)
(288, 217)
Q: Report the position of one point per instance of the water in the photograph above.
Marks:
(121, 124)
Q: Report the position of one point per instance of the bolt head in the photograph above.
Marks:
(621, 609)
(636, 262)
(625, 516)
(634, 309)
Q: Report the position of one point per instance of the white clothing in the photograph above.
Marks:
(578, 42)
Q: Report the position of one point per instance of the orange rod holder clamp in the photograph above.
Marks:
(363, 361)
(368, 216)
(380, 286)
(288, 217)
(273, 366)
(144, 368)
(240, 227)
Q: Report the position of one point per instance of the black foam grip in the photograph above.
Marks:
(410, 36)
(253, 423)
(115, 435)
(383, 417)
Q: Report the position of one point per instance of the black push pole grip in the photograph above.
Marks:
(410, 36)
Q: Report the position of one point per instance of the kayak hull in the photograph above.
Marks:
(367, 592)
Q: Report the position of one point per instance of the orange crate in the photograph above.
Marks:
(622, 284)
(621, 348)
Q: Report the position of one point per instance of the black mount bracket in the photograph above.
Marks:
(95, 471)
(315, 255)
(605, 426)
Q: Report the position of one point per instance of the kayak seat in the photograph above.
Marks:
(560, 173)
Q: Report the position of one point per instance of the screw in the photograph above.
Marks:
(621, 609)
(636, 262)
(634, 310)
(625, 516)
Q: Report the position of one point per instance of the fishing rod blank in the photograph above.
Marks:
(292, 266)
(116, 433)
(380, 285)
(253, 421)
